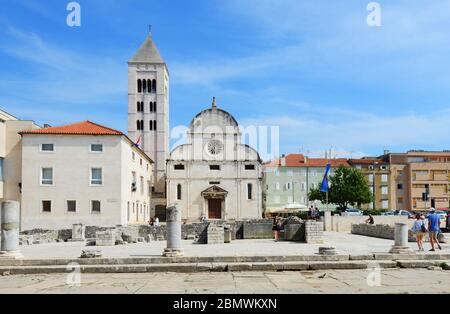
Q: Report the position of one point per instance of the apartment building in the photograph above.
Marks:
(83, 173)
(288, 180)
(11, 155)
(414, 172)
(377, 173)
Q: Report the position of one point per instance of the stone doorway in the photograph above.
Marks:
(214, 202)
(214, 208)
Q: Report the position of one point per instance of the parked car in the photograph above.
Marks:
(352, 212)
(389, 213)
(402, 212)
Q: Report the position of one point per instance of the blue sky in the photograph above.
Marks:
(314, 68)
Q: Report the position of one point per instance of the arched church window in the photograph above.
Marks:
(144, 86)
(154, 125)
(154, 106)
(149, 84)
(139, 85)
(179, 192)
(154, 86)
(138, 125)
(151, 125)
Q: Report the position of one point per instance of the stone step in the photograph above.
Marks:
(196, 267)
(222, 259)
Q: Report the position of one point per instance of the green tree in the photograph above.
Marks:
(348, 187)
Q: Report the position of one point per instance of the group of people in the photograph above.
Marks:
(432, 227)
(313, 212)
(154, 221)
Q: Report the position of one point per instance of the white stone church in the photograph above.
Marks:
(213, 175)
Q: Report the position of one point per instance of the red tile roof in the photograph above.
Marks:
(299, 160)
(80, 128)
(365, 161)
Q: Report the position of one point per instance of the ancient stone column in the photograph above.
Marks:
(173, 222)
(401, 240)
(10, 214)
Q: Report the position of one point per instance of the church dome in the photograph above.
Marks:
(214, 120)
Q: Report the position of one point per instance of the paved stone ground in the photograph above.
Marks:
(339, 281)
(343, 242)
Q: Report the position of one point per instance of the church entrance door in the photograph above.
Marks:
(214, 208)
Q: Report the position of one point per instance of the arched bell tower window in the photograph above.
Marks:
(139, 86)
(144, 86)
(154, 86)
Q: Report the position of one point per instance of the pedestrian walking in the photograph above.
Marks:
(434, 221)
(276, 228)
(156, 223)
(419, 229)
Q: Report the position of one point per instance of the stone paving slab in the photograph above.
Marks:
(334, 281)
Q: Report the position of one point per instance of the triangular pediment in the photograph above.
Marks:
(214, 190)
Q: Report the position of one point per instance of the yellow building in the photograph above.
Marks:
(415, 172)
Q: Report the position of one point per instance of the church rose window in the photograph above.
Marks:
(214, 147)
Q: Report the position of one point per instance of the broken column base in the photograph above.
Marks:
(401, 250)
(11, 254)
(173, 252)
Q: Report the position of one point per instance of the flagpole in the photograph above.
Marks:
(328, 188)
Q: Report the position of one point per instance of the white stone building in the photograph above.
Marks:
(11, 155)
(148, 114)
(83, 173)
(214, 175)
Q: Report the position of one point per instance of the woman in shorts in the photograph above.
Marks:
(419, 229)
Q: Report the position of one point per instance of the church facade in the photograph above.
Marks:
(214, 175)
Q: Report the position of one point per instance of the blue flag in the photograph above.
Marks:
(324, 187)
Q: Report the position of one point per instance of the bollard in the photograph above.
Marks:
(173, 220)
(10, 215)
(401, 240)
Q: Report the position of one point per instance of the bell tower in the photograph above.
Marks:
(148, 111)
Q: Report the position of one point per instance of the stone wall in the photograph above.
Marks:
(344, 223)
(378, 231)
(255, 229)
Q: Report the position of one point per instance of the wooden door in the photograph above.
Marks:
(215, 208)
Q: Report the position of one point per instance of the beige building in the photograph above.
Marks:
(83, 173)
(378, 175)
(214, 175)
(11, 155)
(148, 114)
(413, 172)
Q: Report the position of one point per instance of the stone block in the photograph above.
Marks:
(257, 230)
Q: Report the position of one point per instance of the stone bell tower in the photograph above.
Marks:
(148, 112)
